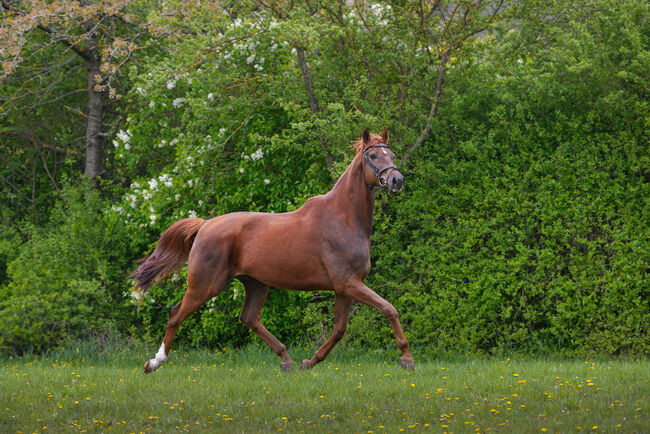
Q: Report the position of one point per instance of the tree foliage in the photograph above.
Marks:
(523, 131)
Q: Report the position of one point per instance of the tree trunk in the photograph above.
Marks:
(94, 128)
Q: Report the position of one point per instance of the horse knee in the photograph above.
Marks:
(250, 321)
(390, 312)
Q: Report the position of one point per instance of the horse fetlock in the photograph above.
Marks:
(306, 364)
(286, 366)
(407, 363)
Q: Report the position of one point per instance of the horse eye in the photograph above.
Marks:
(373, 156)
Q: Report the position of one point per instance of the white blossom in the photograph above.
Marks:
(241, 170)
(191, 213)
(267, 181)
(124, 136)
(152, 104)
(166, 180)
(171, 84)
(153, 184)
(210, 96)
(250, 59)
(152, 219)
(257, 155)
(178, 102)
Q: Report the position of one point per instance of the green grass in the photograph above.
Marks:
(245, 391)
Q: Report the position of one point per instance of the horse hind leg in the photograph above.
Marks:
(256, 293)
(198, 292)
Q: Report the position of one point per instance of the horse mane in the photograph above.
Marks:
(358, 145)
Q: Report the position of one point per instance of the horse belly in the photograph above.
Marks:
(283, 257)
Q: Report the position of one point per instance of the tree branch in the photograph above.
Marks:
(436, 99)
(53, 32)
(313, 104)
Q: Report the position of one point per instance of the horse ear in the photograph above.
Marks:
(366, 136)
(384, 136)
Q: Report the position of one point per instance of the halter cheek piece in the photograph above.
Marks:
(377, 171)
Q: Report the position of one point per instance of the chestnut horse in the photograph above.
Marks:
(324, 245)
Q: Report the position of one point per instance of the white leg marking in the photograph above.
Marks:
(160, 358)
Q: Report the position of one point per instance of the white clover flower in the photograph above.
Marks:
(257, 155)
(250, 59)
(115, 143)
(117, 209)
(200, 202)
(178, 102)
(258, 68)
(141, 91)
(127, 146)
(267, 181)
(191, 213)
(173, 142)
(241, 170)
(152, 219)
(190, 182)
(210, 96)
(153, 184)
(152, 104)
(171, 84)
(162, 144)
(222, 131)
(177, 196)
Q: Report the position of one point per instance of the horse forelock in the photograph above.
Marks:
(358, 145)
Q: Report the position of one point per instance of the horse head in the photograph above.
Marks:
(379, 168)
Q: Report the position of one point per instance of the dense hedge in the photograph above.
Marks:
(523, 225)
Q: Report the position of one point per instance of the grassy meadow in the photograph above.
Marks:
(245, 391)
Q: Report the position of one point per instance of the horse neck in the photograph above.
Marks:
(354, 197)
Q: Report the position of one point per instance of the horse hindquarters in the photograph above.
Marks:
(207, 275)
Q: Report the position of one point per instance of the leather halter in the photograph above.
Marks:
(375, 169)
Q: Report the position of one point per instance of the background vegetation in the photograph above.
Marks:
(522, 128)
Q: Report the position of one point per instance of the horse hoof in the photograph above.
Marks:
(407, 364)
(286, 366)
(147, 368)
(305, 364)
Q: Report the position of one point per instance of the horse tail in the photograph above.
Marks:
(169, 256)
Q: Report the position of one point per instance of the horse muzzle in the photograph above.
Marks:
(394, 181)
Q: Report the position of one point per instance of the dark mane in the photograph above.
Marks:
(357, 145)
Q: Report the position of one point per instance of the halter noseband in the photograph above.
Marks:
(375, 169)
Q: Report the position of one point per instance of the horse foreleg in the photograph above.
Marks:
(342, 306)
(359, 292)
(256, 293)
